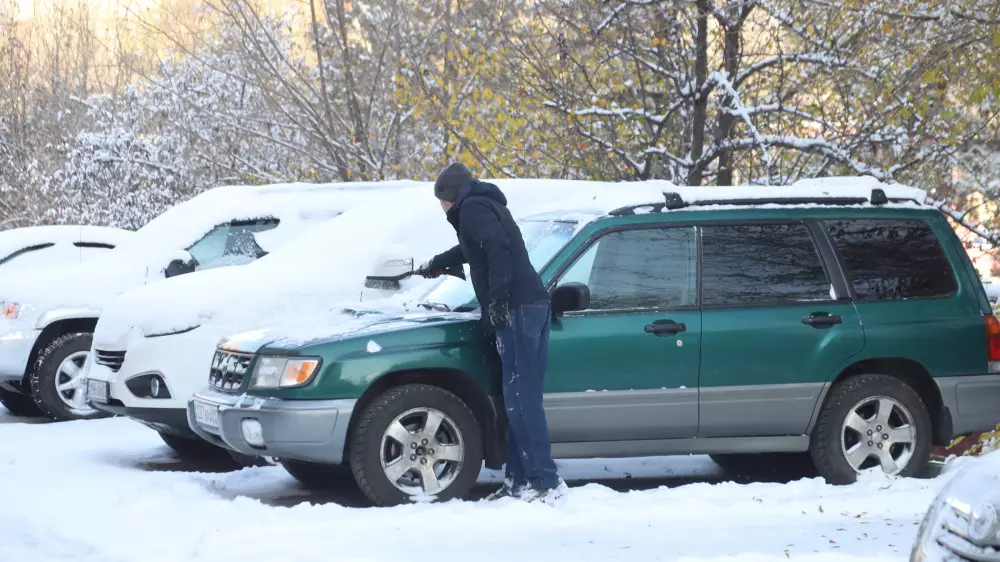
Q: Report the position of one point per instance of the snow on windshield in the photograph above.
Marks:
(543, 240)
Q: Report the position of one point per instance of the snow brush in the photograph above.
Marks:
(391, 282)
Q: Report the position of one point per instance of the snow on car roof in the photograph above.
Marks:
(184, 223)
(591, 200)
(20, 238)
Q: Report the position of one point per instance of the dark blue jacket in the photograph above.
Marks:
(490, 242)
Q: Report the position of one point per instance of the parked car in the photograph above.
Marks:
(839, 319)
(962, 523)
(35, 247)
(49, 316)
(151, 344)
(39, 247)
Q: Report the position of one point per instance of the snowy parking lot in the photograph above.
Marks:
(109, 490)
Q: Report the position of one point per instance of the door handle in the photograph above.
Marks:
(665, 327)
(822, 320)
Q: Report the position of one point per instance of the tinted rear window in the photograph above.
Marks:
(756, 264)
(893, 259)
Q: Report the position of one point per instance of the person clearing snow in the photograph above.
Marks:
(518, 314)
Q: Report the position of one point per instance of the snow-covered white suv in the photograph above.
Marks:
(49, 316)
(153, 345)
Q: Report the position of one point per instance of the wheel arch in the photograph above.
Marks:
(52, 331)
(462, 384)
(908, 371)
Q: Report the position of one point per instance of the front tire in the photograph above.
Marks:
(19, 404)
(57, 382)
(871, 421)
(413, 442)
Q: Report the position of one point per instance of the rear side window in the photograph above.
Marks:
(639, 269)
(893, 259)
(753, 264)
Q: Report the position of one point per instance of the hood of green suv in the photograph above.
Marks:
(345, 326)
(360, 346)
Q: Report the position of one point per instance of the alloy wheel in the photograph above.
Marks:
(422, 451)
(70, 382)
(878, 431)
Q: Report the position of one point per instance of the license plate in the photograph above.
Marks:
(97, 391)
(206, 415)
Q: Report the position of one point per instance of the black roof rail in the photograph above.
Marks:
(673, 200)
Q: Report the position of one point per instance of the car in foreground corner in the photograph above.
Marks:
(962, 523)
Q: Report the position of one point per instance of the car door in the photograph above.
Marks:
(775, 325)
(626, 368)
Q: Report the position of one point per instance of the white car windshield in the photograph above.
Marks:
(543, 240)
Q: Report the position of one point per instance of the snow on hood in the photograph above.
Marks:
(321, 272)
(377, 317)
(142, 256)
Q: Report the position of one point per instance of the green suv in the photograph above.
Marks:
(852, 332)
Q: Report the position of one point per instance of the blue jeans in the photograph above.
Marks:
(523, 348)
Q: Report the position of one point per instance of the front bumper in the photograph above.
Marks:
(15, 349)
(172, 421)
(303, 430)
(180, 360)
(972, 401)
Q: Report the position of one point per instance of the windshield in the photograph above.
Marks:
(543, 240)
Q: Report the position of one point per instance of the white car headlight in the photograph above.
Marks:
(11, 310)
(284, 372)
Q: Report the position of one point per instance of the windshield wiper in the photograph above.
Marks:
(436, 306)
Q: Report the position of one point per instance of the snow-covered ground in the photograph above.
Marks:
(109, 490)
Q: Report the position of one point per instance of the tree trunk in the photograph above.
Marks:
(700, 116)
(731, 59)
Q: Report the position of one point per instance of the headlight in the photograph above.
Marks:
(284, 372)
(10, 309)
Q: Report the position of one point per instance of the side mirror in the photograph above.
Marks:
(180, 267)
(570, 297)
(389, 273)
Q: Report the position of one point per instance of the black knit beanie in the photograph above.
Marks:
(450, 180)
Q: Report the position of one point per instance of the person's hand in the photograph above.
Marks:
(499, 313)
(426, 272)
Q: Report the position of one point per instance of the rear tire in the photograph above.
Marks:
(59, 365)
(192, 449)
(397, 429)
(879, 406)
(318, 476)
(19, 404)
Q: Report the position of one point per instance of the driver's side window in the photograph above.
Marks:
(650, 268)
(230, 244)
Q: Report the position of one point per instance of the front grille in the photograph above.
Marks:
(228, 370)
(110, 359)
